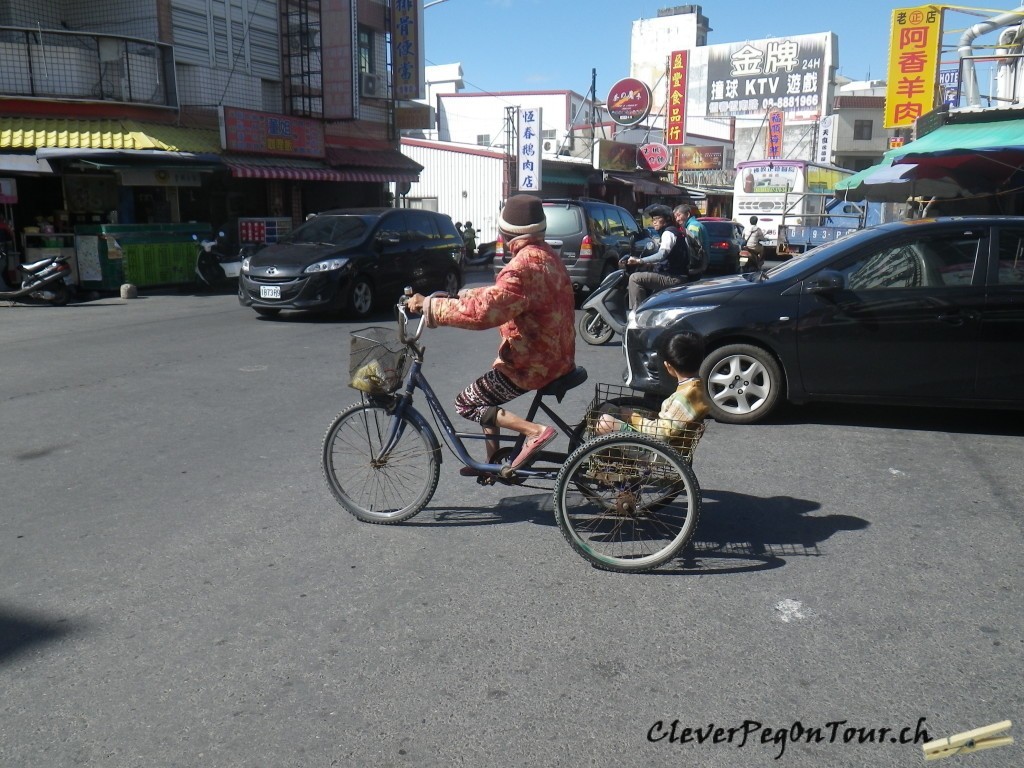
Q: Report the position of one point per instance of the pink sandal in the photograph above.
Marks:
(532, 446)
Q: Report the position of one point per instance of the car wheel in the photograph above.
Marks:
(451, 284)
(360, 302)
(744, 383)
(267, 311)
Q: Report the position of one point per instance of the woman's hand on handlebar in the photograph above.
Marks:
(414, 306)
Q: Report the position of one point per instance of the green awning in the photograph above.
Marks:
(960, 137)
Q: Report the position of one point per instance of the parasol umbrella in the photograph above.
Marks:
(896, 183)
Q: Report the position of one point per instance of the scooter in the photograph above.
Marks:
(750, 261)
(606, 310)
(214, 269)
(42, 281)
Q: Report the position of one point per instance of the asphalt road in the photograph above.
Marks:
(179, 588)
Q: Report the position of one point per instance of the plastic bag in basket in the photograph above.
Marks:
(374, 379)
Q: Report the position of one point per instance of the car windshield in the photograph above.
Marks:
(563, 220)
(336, 230)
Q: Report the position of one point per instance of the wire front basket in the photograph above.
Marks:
(616, 408)
(378, 361)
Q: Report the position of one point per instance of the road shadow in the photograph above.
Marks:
(958, 420)
(736, 533)
(20, 631)
(739, 533)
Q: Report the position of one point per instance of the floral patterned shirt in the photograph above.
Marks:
(533, 306)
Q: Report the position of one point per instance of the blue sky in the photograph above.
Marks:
(507, 45)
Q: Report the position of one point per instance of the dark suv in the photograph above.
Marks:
(349, 259)
(590, 236)
(726, 237)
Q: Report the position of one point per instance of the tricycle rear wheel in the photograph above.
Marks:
(627, 503)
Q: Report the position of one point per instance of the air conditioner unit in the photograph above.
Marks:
(371, 85)
(551, 146)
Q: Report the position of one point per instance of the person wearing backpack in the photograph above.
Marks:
(697, 238)
(668, 265)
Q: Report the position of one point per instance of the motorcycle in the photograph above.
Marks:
(606, 310)
(214, 269)
(750, 261)
(42, 281)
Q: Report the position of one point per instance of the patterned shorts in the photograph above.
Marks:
(480, 400)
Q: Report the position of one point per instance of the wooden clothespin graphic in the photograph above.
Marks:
(969, 741)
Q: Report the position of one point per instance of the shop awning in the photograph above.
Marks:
(648, 186)
(119, 158)
(384, 164)
(23, 164)
(281, 168)
(29, 133)
(952, 138)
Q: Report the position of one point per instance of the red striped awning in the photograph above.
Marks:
(242, 170)
(248, 170)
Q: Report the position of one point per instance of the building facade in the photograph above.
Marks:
(206, 111)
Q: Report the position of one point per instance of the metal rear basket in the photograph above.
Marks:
(377, 361)
(611, 399)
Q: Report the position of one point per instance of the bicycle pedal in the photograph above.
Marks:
(486, 479)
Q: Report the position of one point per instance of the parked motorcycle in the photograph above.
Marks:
(215, 270)
(42, 281)
(606, 310)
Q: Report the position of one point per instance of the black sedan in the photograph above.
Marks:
(927, 312)
(352, 260)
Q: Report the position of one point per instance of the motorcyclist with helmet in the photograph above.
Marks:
(667, 267)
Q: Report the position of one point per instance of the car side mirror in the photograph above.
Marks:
(388, 238)
(825, 282)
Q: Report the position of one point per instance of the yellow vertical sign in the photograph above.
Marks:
(915, 43)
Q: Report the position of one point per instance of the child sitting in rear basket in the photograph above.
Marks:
(685, 408)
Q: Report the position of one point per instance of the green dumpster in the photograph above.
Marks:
(146, 255)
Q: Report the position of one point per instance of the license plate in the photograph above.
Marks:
(270, 292)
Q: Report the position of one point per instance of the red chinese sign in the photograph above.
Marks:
(914, 48)
(773, 141)
(675, 119)
(629, 101)
(265, 133)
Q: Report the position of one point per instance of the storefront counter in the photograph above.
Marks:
(146, 255)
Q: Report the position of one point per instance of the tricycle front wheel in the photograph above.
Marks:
(627, 503)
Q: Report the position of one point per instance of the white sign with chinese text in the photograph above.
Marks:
(826, 130)
(528, 174)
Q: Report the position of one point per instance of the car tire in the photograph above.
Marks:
(743, 382)
(267, 311)
(360, 298)
(451, 284)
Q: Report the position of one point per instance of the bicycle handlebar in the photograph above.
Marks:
(402, 315)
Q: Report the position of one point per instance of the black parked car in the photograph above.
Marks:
(590, 236)
(927, 312)
(351, 259)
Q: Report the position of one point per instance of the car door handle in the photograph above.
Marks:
(958, 318)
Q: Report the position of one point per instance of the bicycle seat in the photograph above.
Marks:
(563, 384)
